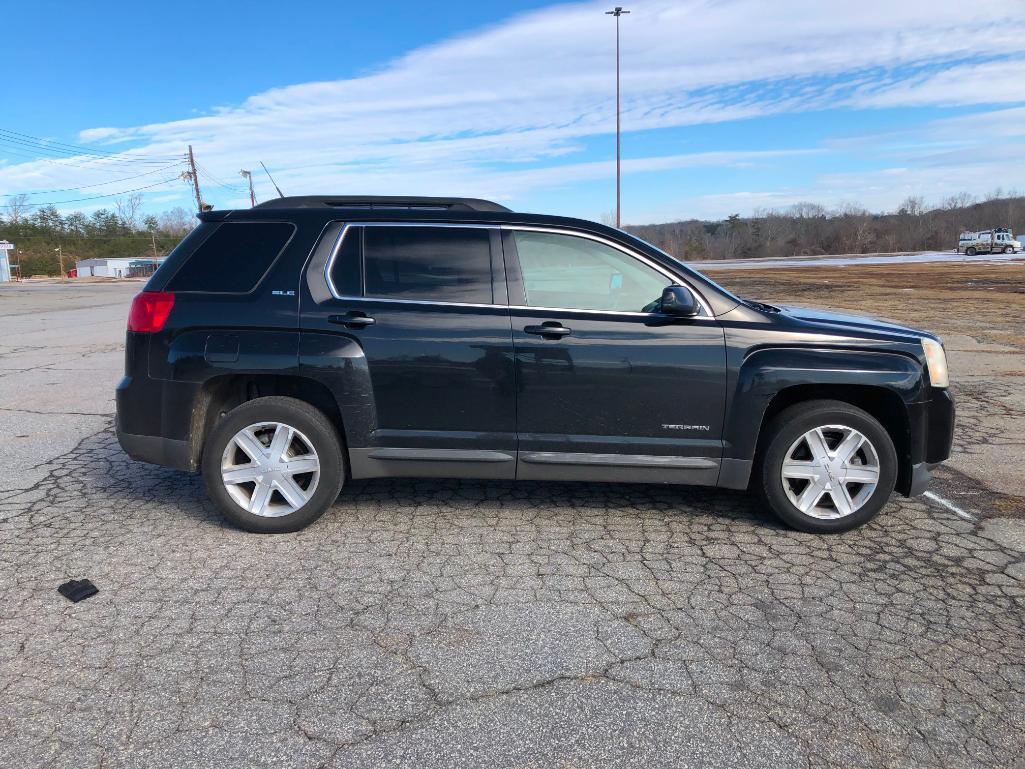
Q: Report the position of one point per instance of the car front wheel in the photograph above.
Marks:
(827, 467)
(273, 465)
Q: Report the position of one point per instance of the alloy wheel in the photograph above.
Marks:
(830, 472)
(270, 469)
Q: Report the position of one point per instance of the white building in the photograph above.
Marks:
(116, 267)
(5, 260)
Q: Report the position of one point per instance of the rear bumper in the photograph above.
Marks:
(152, 425)
(156, 450)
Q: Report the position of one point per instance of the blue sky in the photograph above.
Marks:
(729, 105)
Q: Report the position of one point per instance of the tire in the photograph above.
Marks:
(1008, 250)
(970, 251)
(291, 486)
(787, 439)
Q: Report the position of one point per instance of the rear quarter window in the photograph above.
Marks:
(234, 258)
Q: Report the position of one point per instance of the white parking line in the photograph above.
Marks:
(952, 507)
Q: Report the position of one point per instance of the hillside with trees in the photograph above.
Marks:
(801, 229)
(810, 229)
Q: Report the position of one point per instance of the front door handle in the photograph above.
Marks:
(352, 320)
(550, 329)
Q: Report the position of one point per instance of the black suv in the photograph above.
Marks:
(287, 348)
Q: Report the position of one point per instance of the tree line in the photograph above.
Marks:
(37, 233)
(801, 229)
(811, 229)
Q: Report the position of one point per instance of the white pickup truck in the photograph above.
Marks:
(988, 242)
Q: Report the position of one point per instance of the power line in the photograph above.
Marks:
(88, 164)
(98, 184)
(32, 150)
(51, 143)
(233, 187)
(98, 197)
(74, 149)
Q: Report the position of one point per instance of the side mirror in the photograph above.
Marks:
(679, 301)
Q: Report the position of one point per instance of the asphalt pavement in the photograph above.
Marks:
(447, 623)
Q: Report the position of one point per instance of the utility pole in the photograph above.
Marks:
(60, 260)
(252, 195)
(192, 176)
(153, 237)
(617, 12)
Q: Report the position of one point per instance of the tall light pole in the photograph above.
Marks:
(617, 12)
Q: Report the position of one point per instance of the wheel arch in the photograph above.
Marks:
(886, 406)
(220, 394)
(884, 384)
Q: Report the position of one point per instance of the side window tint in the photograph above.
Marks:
(581, 274)
(234, 258)
(442, 264)
(345, 275)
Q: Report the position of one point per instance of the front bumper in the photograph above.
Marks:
(921, 477)
(931, 440)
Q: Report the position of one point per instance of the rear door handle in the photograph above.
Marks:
(549, 329)
(352, 320)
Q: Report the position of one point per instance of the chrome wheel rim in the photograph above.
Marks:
(270, 469)
(830, 472)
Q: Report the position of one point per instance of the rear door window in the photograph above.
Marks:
(234, 258)
(438, 264)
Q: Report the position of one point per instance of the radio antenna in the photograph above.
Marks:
(280, 193)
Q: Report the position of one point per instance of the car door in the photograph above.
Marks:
(607, 387)
(413, 338)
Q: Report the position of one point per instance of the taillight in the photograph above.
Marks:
(149, 311)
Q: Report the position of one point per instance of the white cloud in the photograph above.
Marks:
(508, 109)
(992, 82)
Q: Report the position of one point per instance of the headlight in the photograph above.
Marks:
(936, 359)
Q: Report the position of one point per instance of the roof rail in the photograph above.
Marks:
(384, 202)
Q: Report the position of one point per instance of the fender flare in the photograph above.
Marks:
(767, 372)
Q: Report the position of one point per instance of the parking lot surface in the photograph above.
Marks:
(446, 623)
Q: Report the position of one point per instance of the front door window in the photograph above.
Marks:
(564, 271)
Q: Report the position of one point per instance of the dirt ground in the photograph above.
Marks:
(978, 310)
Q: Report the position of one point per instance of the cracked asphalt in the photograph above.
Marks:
(447, 623)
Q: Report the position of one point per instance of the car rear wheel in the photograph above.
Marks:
(273, 465)
(827, 467)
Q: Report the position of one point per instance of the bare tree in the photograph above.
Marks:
(17, 206)
(959, 200)
(128, 208)
(177, 221)
(912, 206)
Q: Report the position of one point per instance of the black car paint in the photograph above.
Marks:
(439, 390)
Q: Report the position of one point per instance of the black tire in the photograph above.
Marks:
(1008, 249)
(787, 427)
(314, 426)
(970, 251)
